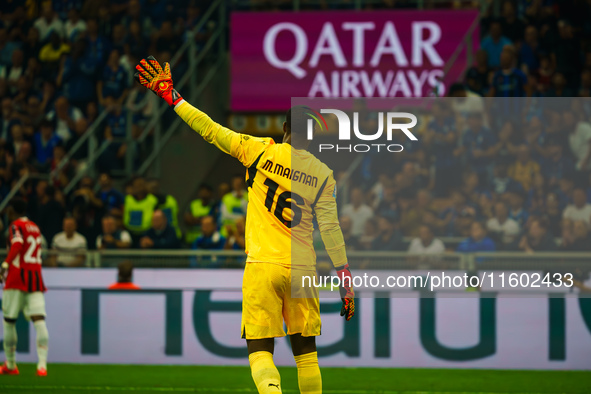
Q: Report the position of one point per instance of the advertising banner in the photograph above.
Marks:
(193, 317)
(276, 56)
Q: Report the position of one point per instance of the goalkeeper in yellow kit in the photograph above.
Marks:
(278, 234)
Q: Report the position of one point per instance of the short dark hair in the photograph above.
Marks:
(19, 205)
(455, 88)
(297, 119)
(125, 271)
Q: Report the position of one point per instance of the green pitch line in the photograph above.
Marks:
(89, 379)
(80, 389)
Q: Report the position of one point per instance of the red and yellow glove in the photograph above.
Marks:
(347, 293)
(151, 75)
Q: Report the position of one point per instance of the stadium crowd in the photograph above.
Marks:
(505, 162)
(63, 62)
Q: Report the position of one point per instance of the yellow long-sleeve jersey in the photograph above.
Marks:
(287, 188)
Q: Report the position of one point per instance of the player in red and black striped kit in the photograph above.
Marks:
(23, 286)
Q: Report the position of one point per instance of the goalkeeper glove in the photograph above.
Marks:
(347, 293)
(151, 75)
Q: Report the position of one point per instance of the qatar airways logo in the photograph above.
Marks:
(394, 122)
(351, 73)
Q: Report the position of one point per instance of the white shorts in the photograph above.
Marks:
(14, 301)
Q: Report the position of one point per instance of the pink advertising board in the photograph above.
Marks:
(280, 55)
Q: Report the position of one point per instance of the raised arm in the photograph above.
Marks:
(243, 147)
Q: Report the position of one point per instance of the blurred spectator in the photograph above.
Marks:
(578, 239)
(65, 118)
(114, 81)
(426, 243)
(493, 43)
(565, 191)
(118, 43)
(8, 118)
(124, 277)
(480, 145)
(143, 105)
(413, 218)
(478, 76)
(538, 238)
(237, 238)
(49, 213)
(167, 40)
(18, 138)
(585, 88)
(442, 135)
(529, 51)
(69, 245)
(48, 23)
(566, 52)
(97, 45)
(580, 209)
(455, 217)
(358, 211)
(199, 208)
(79, 157)
(388, 204)
(134, 13)
(167, 204)
(233, 205)
(136, 43)
(210, 238)
(45, 140)
(351, 241)
(536, 196)
(63, 173)
(161, 235)
(74, 26)
(524, 169)
(87, 209)
(77, 75)
(112, 237)
(545, 75)
(556, 165)
(111, 197)
(515, 199)
(477, 241)
(116, 134)
(509, 81)
(511, 25)
(7, 47)
(51, 55)
(139, 206)
(553, 213)
(501, 181)
(501, 228)
(32, 44)
(579, 138)
(559, 87)
(14, 71)
(388, 236)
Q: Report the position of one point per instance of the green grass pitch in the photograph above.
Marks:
(76, 378)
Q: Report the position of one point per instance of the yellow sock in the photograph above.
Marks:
(309, 373)
(264, 373)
